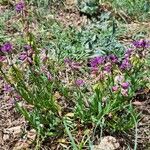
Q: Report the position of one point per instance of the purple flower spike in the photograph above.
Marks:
(18, 97)
(141, 44)
(108, 68)
(96, 61)
(23, 56)
(125, 64)
(113, 58)
(27, 47)
(125, 85)
(19, 6)
(6, 47)
(115, 88)
(7, 88)
(94, 70)
(79, 82)
(128, 53)
(2, 58)
(49, 76)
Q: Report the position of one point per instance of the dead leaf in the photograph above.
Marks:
(6, 137)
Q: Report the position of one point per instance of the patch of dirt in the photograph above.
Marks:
(70, 16)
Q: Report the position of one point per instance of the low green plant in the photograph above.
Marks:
(89, 7)
(104, 103)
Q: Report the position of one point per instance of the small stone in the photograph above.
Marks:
(6, 137)
(16, 131)
(107, 143)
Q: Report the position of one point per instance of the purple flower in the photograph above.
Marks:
(6, 47)
(79, 82)
(115, 88)
(125, 64)
(27, 47)
(125, 85)
(108, 67)
(113, 58)
(96, 61)
(18, 97)
(94, 70)
(7, 88)
(49, 76)
(2, 58)
(19, 6)
(141, 44)
(128, 53)
(25, 56)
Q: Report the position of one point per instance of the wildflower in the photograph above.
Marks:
(125, 64)
(115, 88)
(125, 85)
(141, 44)
(96, 61)
(24, 56)
(128, 53)
(11, 101)
(49, 76)
(19, 6)
(94, 70)
(2, 58)
(27, 47)
(79, 82)
(6, 47)
(18, 97)
(107, 68)
(7, 88)
(113, 58)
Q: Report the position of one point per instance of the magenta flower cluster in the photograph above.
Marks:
(27, 54)
(141, 43)
(19, 6)
(79, 82)
(6, 47)
(124, 87)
